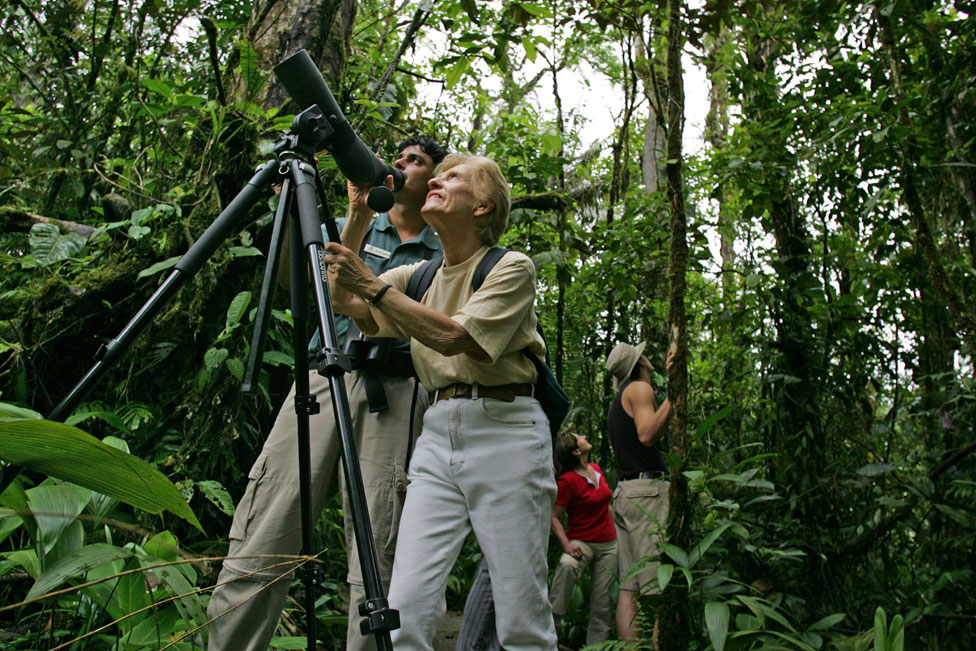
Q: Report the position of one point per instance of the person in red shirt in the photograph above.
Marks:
(591, 539)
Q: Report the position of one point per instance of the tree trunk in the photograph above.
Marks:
(800, 450)
(654, 147)
(561, 271)
(617, 321)
(279, 28)
(717, 135)
(674, 616)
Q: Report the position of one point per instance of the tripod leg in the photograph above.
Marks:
(262, 318)
(379, 618)
(305, 405)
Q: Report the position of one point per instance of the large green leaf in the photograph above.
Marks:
(676, 553)
(880, 630)
(25, 558)
(217, 495)
(248, 66)
(12, 412)
(717, 622)
(160, 266)
(68, 453)
(14, 497)
(9, 523)
(664, 573)
(237, 309)
(826, 622)
(102, 505)
(159, 86)
(896, 634)
(710, 422)
(120, 590)
(49, 245)
(55, 506)
(76, 564)
(700, 548)
(164, 624)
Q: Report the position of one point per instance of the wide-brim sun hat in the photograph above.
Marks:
(622, 360)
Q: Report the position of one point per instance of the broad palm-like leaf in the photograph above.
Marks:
(68, 453)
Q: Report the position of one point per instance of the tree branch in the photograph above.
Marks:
(21, 221)
(419, 18)
(542, 201)
(420, 76)
(951, 461)
(98, 54)
(211, 29)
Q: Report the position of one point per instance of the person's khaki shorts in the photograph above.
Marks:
(640, 513)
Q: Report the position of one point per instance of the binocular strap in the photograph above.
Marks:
(375, 394)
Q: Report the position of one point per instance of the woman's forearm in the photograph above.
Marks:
(430, 327)
(558, 531)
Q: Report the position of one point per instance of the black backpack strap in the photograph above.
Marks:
(535, 359)
(422, 277)
(487, 263)
(375, 394)
(542, 333)
(484, 268)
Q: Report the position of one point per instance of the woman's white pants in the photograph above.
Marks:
(486, 465)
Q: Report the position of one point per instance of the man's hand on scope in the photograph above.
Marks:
(359, 196)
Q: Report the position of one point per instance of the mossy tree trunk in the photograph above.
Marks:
(674, 615)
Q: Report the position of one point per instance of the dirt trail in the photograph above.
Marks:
(446, 638)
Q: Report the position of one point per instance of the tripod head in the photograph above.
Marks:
(310, 130)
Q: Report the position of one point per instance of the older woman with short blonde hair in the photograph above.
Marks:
(492, 185)
(483, 461)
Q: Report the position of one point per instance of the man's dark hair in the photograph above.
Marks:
(427, 145)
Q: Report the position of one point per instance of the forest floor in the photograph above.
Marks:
(446, 638)
(447, 633)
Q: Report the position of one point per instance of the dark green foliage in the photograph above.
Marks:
(830, 382)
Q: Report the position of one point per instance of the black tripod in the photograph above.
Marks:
(297, 203)
(295, 171)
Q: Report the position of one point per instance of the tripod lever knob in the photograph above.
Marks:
(109, 351)
(377, 617)
(306, 404)
(333, 363)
